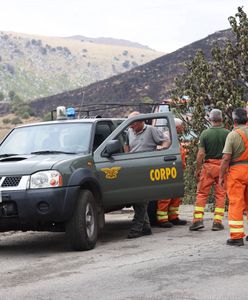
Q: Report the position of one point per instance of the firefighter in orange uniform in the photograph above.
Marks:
(167, 209)
(235, 161)
(211, 144)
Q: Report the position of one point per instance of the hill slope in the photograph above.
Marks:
(108, 41)
(38, 66)
(153, 80)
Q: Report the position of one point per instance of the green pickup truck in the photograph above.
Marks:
(64, 175)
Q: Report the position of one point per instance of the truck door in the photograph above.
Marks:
(128, 178)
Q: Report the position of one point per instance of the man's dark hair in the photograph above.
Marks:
(240, 115)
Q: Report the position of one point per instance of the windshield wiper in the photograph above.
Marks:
(51, 152)
(8, 154)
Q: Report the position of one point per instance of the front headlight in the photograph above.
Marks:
(45, 179)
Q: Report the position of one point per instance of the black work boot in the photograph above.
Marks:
(196, 226)
(178, 221)
(146, 230)
(133, 234)
(217, 226)
(165, 224)
(235, 242)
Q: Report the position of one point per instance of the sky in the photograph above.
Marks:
(163, 25)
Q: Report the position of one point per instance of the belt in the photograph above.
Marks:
(241, 162)
(211, 160)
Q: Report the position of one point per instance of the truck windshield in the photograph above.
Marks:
(48, 138)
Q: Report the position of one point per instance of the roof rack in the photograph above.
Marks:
(87, 110)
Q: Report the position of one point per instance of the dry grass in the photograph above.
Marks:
(98, 50)
(5, 128)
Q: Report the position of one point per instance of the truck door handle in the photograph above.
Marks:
(169, 158)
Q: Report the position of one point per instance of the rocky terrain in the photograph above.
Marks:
(36, 66)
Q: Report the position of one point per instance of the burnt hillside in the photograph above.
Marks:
(154, 80)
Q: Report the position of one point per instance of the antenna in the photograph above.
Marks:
(79, 112)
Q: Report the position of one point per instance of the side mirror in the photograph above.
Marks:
(112, 147)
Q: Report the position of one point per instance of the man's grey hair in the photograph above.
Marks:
(215, 115)
(178, 122)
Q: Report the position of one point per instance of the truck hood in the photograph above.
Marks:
(29, 164)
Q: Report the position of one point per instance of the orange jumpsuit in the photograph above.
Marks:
(237, 190)
(167, 209)
(210, 176)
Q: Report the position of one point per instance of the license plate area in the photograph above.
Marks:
(8, 208)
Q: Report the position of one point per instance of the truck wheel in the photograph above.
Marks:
(82, 228)
(152, 212)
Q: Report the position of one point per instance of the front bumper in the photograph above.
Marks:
(33, 209)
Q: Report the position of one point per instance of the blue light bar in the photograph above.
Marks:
(70, 112)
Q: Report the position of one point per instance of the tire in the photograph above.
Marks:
(152, 211)
(82, 228)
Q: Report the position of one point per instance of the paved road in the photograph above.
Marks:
(170, 264)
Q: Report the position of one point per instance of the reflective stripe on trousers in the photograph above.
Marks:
(162, 216)
(237, 190)
(167, 209)
(198, 213)
(210, 177)
(219, 214)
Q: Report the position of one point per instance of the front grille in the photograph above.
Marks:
(11, 181)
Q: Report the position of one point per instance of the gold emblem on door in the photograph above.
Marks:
(111, 173)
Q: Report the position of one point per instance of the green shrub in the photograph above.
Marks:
(126, 64)
(16, 121)
(1, 96)
(6, 121)
(147, 100)
(47, 117)
(25, 115)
